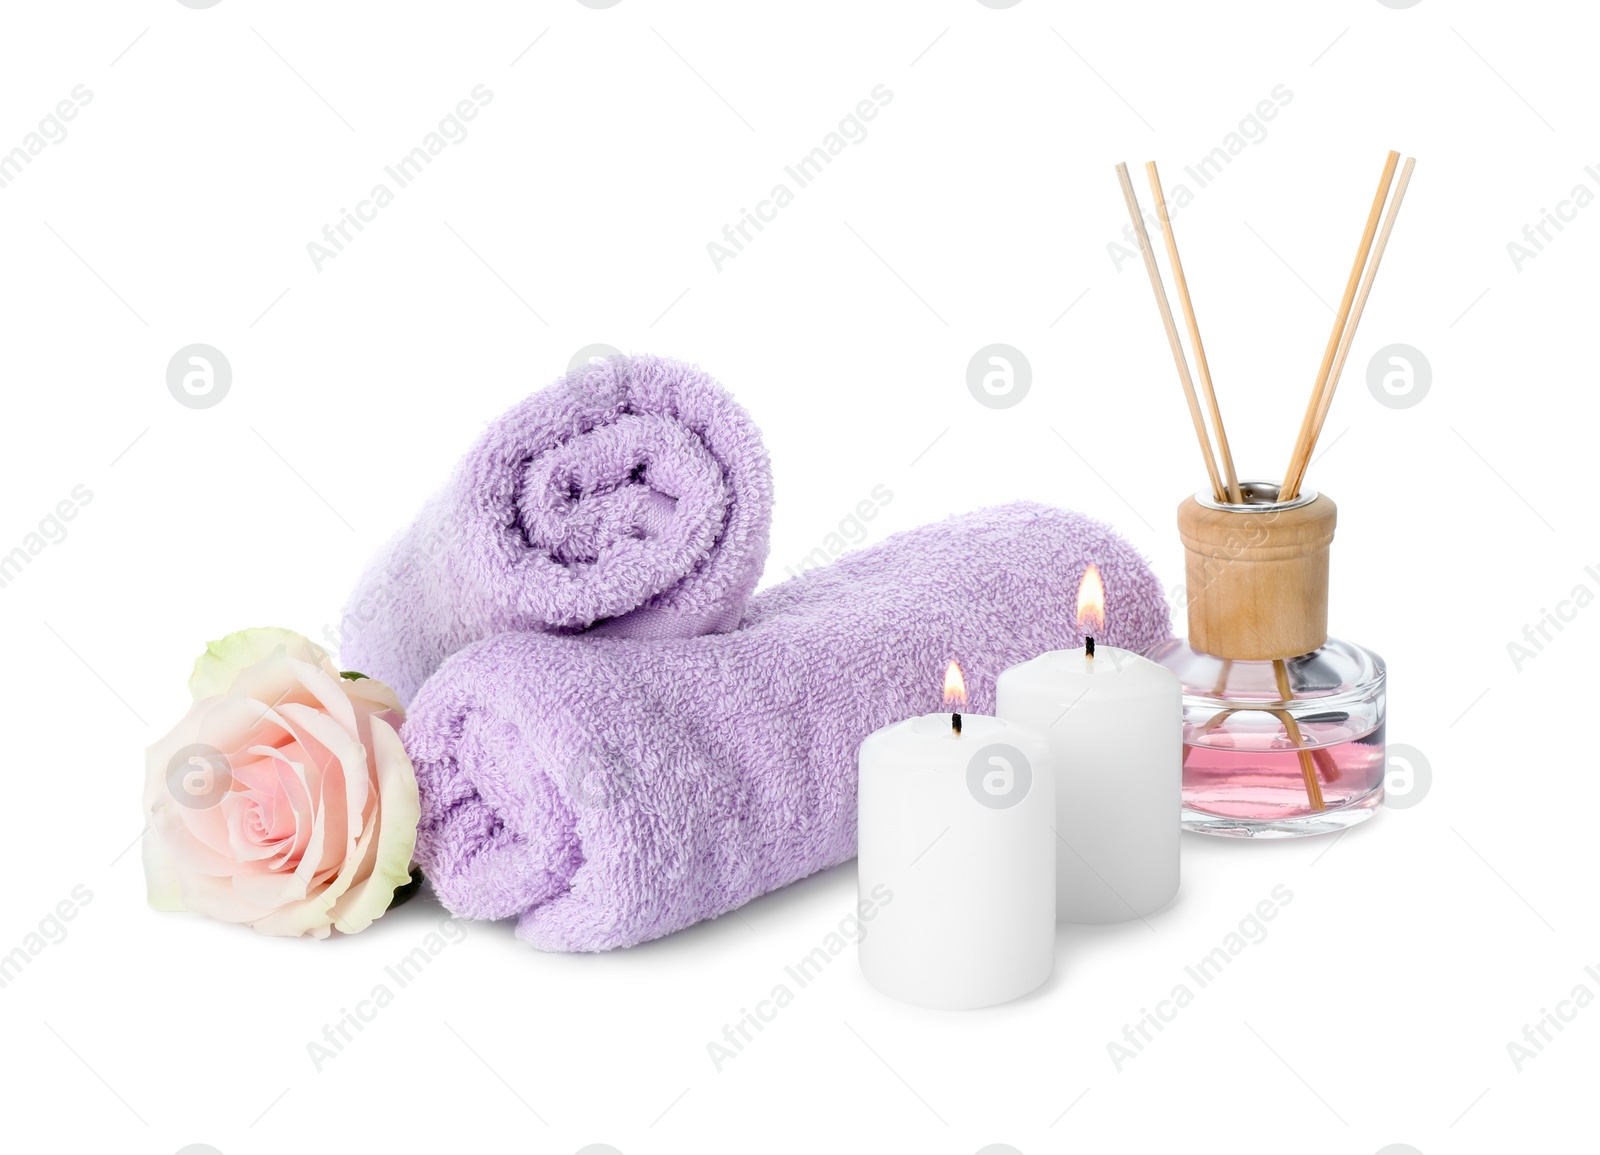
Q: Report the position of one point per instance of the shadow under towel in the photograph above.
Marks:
(610, 791)
(632, 497)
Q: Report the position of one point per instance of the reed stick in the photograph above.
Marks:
(1202, 366)
(1308, 768)
(1303, 461)
(1178, 357)
(1339, 320)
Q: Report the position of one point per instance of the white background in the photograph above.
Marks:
(977, 209)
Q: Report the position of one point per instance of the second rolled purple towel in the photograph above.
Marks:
(632, 498)
(609, 791)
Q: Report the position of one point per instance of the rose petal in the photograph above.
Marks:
(344, 787)
(218, 898)
(214, 722)
(162, 889)
(216, 669)
(399, 810)
(187, 853)
(296, 800)
(298, 918)
(324, 684)
(373, 692)
(270, 889)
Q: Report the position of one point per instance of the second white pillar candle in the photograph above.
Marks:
(1114, 724)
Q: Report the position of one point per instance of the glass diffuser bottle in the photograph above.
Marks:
(1283, 725)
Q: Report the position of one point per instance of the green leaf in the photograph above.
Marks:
(406, 891)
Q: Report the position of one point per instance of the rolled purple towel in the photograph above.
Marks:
(611, 791)
(631, 498)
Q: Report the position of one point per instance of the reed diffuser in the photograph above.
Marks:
(1283, 725)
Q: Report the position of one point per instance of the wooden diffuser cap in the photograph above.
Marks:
(1257, 573)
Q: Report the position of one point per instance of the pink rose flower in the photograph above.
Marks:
(283, 799)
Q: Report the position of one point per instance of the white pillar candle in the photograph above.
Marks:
(1114, 723)
(957, 858)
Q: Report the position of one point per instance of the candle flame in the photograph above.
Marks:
(955, 688)
(1091, 601)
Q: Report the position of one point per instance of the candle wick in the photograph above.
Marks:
(1088, 647)
(955, 724)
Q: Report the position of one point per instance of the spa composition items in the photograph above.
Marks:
(561, 701)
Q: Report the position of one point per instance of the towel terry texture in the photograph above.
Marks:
(632, 498)
(609, 791)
